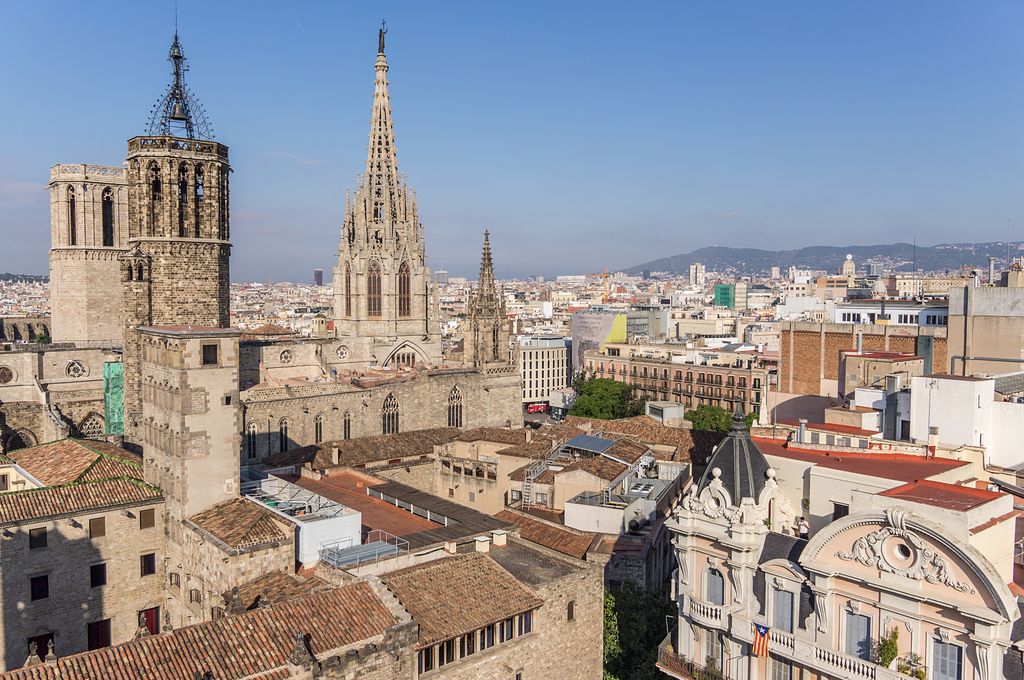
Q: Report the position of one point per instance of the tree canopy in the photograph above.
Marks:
(605, 399)
(634, 626)
(714, 418)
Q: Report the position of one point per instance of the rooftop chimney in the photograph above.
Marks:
(529, 435)
(801, 433)
(483, 544)
(933, 440)
(334, 455)
(499, 538)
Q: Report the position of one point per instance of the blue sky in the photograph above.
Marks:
(582, 135)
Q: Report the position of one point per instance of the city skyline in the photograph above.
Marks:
(799, 116)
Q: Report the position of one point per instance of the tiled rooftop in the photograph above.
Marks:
(72, 499)
(254, 645)
(942, 495)
(456, 595)
(240, 523)
(277, 587)
(566, 541)
(365, 450)
(895, 466)
(69, 460)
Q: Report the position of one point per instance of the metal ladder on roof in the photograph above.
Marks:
(536, 470)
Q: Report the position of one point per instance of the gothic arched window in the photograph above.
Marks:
(348, 290)
(373, 293)
(92, 426)
(222, 217)
(455, 407)
(72, 218)
(198, 203)
(182, 198)
(318, 428)
(155, 198)
(108, 217)
(494, 341)
(282, 435)
(389, 415)
(403, 289)
(250, 439)
(346, 425)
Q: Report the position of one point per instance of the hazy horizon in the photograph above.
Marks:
(582, 141)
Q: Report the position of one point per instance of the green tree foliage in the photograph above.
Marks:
(634, 626)
(714, 418)
(605, 399)
(887, 648)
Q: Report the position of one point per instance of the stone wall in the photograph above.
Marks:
(420, 475)
(72, 603)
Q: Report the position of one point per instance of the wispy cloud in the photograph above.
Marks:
(293, 157)
(14, 192)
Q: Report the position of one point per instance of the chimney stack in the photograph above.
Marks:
(933, 440)
(483, 544)
(499, 538)
(334, 455)
(801, 433)
(529, 435)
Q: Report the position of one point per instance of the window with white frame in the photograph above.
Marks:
(947, 661)
(712, 648)
(782, 610)
(714, 587)
(781, 669)
(858, 635)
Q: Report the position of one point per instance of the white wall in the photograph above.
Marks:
(1004, 441)
(960, 408)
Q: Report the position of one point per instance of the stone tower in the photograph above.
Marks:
(174, 271)
(384, 302)
(88, 231)
(485, 343)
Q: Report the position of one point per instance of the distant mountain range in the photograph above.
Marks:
(897, 257)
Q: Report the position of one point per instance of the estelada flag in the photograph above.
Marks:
(760, 647)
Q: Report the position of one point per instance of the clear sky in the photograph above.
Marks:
(583, 135)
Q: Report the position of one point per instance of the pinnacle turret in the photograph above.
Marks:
(179, 113)
(486, 282)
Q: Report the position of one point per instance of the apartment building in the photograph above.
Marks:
(545, 364)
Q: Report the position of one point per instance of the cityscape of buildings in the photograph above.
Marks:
(391, 472)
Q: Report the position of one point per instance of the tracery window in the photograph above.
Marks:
(346, 426)
(348, 290)
(318, 428)
(373, 293)
(403, 290)
(155, 198)
(250, 439)
(182, 198)
(108, 217)
(389, 415)
(72, 218)
(198, 203)
(455, 407)
(282, 434)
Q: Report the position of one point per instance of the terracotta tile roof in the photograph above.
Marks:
(499, 435)
(456, 595)
(278, 587)
(69, 460)
(251, 645)
(895, 466)
(688, 444)
(366, 449)
(73, 499)
(838, 428)
(942, 495)
(239, 523)
(626, 450)
(540, 447)
(564, 540)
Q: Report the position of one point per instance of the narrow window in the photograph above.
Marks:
(97, 527)
(147, 518)
(782, 616)
(346, 426)
(348, 290)
(389, 415)
(155, 198)
(373, 293)
(318, 428)
(455, 407)
(40, 587)
(403, 290)
(97, 575)
(108, 217)
(947, 661)
(72, 218)
(198, 202)
(494, 341)
(99, 634)
(570, 611)
(282, 435)
(5, 481)
(37, 538)
(251, 439)
(209, 355)
(858, 636)
(182, 199)
(222, 217)
(147, 564)
(714, 587)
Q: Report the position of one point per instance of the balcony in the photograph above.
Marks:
(676, 666)
(708, 615)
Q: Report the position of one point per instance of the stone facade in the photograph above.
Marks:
(385, 304)
(89, 228)
(66, 560)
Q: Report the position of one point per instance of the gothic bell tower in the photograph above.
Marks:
(385, 307)
(486, 341)
(175, 270)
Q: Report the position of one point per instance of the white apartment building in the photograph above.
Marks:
(545, 365)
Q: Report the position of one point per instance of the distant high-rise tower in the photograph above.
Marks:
(849, 267)
(175, 269)
(697, 274)
(384, 302)
(318, 277)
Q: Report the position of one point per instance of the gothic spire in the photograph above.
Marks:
(382, 178)
(179, 113)
(485, 287)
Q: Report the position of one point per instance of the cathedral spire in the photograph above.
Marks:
(485, 287)
(179, 113)
(381, 161)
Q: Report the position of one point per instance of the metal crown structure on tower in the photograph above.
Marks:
(178, 113)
